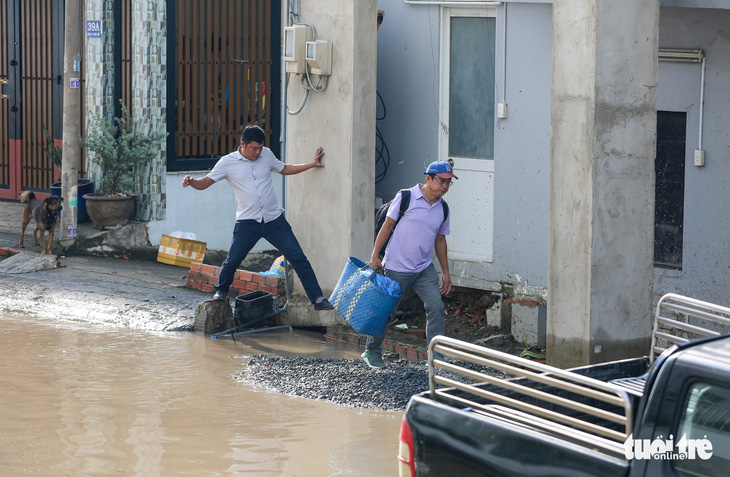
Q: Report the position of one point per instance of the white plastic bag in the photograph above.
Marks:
(184, 235)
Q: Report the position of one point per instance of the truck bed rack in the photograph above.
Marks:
(680, 319)
(582, 409)
(576, 407)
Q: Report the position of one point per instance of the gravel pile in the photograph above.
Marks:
(347, 382)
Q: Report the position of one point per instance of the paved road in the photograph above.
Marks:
(135, 294)
(129, 293)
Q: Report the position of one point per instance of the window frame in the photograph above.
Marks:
(273, 127)
(447, 13)
(682, 417)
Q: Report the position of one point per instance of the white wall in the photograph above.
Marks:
(705, 273)
(408, 54)
(210, 214)
(408, 81)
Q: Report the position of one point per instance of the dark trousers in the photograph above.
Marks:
(426, 285)
(279, 233)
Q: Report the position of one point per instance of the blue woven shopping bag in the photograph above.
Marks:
(362, 303)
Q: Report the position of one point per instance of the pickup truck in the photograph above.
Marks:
(666, 414)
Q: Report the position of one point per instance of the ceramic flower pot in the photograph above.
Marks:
(109, 210)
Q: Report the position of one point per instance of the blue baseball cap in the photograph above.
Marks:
(442, 169)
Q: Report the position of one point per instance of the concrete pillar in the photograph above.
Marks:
(600, 257)
(334, 205)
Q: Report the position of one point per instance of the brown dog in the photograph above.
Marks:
(45, 212)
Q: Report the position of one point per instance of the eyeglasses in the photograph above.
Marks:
(443, 181)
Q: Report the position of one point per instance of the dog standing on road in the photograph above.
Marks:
(45, 212)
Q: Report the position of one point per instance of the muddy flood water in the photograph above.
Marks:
(81, 399)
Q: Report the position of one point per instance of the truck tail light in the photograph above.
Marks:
(406, 460)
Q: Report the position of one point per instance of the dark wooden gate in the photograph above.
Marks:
(225, 58)
(9, 81)
(31, 65)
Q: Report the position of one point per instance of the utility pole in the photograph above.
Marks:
(73, 40)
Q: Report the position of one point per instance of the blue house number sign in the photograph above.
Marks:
(93, 29)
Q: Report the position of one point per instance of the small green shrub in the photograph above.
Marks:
(119, 146)
(54, 152)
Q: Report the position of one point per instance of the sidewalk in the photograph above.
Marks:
(140, 294)
(132, 292)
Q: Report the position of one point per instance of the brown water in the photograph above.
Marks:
(76, 399)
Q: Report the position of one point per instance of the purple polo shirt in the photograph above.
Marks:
(409, 249)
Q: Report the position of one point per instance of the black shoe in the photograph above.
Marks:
(323, 305)
(220, 295)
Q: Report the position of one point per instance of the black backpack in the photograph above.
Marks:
(382, 214)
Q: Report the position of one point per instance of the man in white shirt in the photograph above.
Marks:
(258, 212)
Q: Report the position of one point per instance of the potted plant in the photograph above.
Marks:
(84, 186)
(119, 146)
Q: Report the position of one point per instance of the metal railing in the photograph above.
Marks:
(679, 319)
(598, 414)
(561, 402)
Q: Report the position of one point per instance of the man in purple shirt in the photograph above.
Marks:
(423, 226)
(258, 212)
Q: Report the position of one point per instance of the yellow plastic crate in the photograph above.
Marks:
(180, 252)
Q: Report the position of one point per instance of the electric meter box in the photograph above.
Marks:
(295, 39)
(319, 57)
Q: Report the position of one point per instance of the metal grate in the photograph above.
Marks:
(37, 91)
(634, 386)
(31, 50)
(224, 74)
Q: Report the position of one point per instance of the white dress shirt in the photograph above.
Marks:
(252, 184)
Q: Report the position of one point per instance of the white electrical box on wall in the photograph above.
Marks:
(699, 157)
(501, 110)
(319, 57)
(295, 39)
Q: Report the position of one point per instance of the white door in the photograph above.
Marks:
(466, 132)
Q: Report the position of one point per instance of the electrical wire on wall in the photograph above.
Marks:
(382, 154)
(304, 100)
